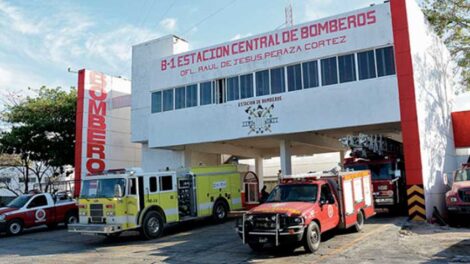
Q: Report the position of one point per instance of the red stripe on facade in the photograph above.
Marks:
(406, 91)
(78, 132)
(461, 127)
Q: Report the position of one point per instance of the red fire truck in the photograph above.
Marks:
(35, 209)
(382, 156)
(458, 197)
(303, 207)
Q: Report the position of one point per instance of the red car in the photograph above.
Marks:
(301, 208)
(35, 209)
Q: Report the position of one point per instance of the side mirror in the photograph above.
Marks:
(118, 191)
(397, 173)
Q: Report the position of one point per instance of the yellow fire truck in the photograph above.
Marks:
(121, 200)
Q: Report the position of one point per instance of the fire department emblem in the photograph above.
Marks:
(260, 119)
(40, 215)
(330, 211)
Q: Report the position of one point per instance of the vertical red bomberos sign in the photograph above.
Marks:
(103, 113)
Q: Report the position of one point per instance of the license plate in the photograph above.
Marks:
(263, 239)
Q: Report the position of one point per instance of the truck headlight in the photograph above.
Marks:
(2, 218)
(110, 214)
(298, 220)
(249, 218)
(82, 213)
(453, 199)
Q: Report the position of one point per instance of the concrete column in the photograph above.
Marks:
(341, 159)
(259, 171)
(187, 158)
(286, 159)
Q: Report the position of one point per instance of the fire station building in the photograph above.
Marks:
(297, 90)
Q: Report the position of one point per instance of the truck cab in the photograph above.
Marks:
(458, 197)
(300, 209)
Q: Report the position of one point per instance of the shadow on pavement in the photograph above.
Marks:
(457, 253)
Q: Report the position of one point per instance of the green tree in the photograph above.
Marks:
(42, 131)
(451, 21)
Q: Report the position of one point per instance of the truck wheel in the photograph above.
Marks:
(71, 218)
(312, 237)
(15, 227)
(152, 225)
(219, 213)
(359, 221)
(257, 247)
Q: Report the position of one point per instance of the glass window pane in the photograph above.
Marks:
(180, 96)
(262, 83)
(168, 100)
(329, 72)
(233, 89)
(166, 183)
(347, 68)
(310, 72)
(278, 80)
(385, 61)
(206, 93)
(246, 86)
(191, 95)
(366, 64)
(294, 81)
(156, 102)
(153, 184)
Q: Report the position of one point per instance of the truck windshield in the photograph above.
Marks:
(103, 188)
(463, 175)
(19, 201)
(294, 193)
(383, 171)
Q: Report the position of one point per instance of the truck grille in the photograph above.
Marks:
(96, 213)
(264, 222)
(465, 195)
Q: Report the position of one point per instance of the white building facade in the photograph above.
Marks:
(296, 90)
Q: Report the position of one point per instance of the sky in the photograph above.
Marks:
(40, 40)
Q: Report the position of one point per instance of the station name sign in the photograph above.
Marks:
(271, 40)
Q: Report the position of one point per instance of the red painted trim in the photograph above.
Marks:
(461, 127)
(78, 132)
(406, 91)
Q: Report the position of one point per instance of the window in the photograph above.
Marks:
(294, 78)
(278, 80)
(219, 91)
(329, 72)
(347, 68)
(310, 72)
(153, 184)
(233, 89)
(366, 64)
(246, 86)
(206, 93)
(168, 100)
(166, 183)
(38, 201)
(191, 95)
(326, 195)
(180, 97)
(262, 83)
(385, 61)
(132, 187)
(156, 102)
